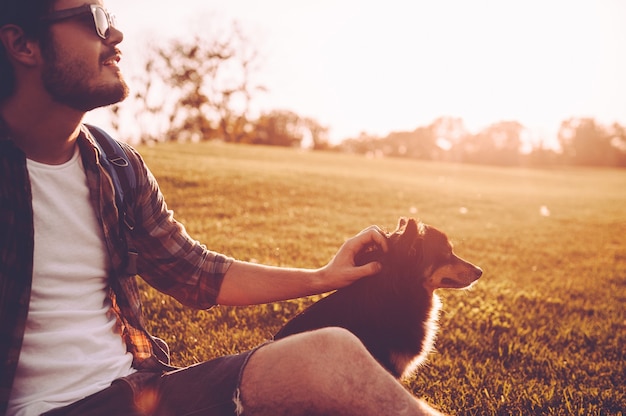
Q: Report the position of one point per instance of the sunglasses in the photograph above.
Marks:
(102, 20)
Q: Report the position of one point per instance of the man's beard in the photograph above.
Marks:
(68, 83)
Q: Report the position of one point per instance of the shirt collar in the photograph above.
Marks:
(89, 150)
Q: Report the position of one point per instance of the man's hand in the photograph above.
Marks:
(342, 270)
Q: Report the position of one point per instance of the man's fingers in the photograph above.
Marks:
(373, 234)
(371, 268)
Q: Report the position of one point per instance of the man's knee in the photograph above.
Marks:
(330, 346)
(328, 351)
(305, 367)
(333, 336)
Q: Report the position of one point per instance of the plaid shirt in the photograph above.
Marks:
(168, 259)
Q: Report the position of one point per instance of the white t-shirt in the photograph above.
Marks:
(71, 348)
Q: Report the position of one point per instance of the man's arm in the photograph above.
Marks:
(250, 284)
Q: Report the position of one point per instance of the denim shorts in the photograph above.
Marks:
(208, 388)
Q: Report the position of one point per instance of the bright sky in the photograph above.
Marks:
(381, 66)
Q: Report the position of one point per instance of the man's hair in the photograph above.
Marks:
(25, 14)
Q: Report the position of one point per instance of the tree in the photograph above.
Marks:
(199, 88)
(586, 143)
(498, 144)
(618, 143)
(317, 133)
(418, 144)
(363, 144)
(286, 128)
(448, 133)
(278, 128)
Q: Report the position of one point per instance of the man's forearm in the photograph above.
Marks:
(251, 284)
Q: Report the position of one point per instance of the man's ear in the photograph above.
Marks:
(18, 47)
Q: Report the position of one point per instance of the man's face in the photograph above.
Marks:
(80, 68)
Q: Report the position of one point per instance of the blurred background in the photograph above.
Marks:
(500, 82)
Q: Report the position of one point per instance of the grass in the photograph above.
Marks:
(543, 332)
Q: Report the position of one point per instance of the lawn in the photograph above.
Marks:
(543, 331)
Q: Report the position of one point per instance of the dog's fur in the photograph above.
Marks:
(394, 312)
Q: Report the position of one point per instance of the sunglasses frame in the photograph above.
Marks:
(92, 9)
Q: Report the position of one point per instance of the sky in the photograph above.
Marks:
(381, 66)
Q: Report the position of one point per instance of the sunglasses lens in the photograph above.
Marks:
(102, 22)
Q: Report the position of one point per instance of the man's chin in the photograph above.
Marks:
(95, 99)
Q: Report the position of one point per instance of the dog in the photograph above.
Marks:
(394, 312)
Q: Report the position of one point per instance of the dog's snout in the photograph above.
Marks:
(478, 271)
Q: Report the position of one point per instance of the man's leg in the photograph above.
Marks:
(114, 400)
(323, 372)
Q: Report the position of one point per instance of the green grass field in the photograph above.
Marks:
(544, 330)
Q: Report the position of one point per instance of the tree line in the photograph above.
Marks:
(579, 142)
(202, 88)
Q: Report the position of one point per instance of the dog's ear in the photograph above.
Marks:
(410, 242)
(403, 222)
(411, 228)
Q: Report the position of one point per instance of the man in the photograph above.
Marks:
(72, 340)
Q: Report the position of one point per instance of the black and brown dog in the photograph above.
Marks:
(394, 312)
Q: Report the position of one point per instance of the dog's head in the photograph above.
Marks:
(419, 251)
